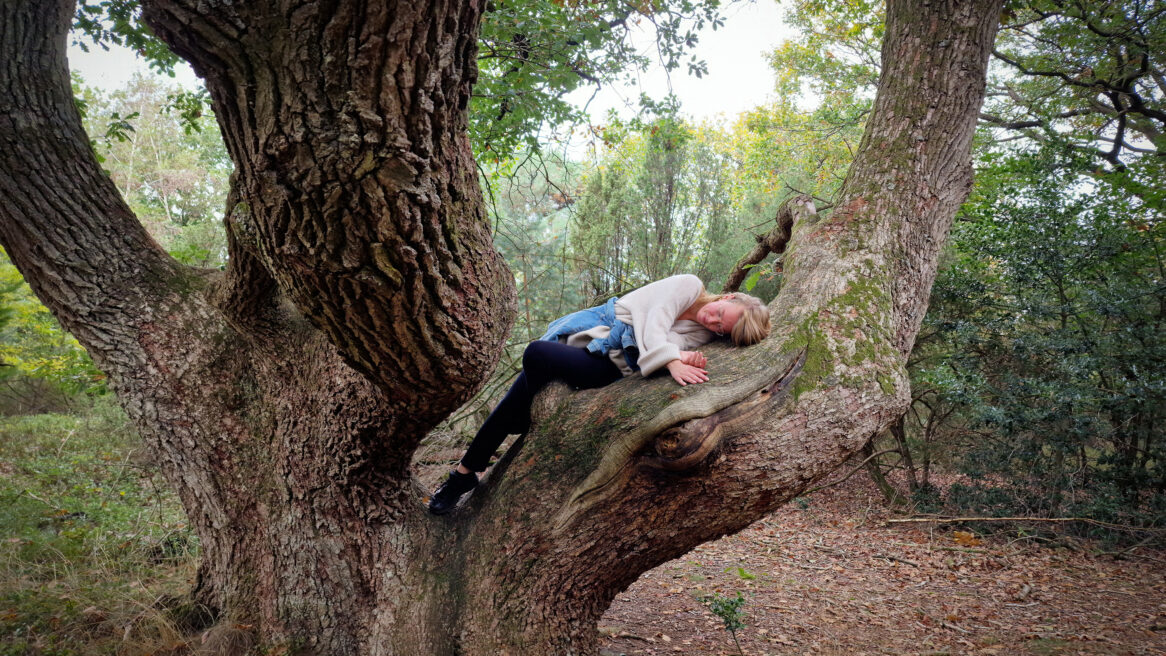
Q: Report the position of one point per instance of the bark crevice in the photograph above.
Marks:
(688, 445)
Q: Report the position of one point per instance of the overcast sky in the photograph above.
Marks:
(738, 77)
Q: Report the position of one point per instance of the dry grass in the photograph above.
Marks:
(92, 539)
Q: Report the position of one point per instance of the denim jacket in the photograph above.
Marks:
(622, 336)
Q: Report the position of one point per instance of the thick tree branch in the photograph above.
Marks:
(62, 220)
(1001, 122)
(357, 190)
(1093, 83)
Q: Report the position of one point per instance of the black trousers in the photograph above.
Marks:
(542, 362)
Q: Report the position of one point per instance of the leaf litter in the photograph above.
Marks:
(833, 578)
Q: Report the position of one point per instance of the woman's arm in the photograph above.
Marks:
(652, 310)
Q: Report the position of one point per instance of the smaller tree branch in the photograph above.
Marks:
(1124, 35)
(794, 209)
(852, 472)
(1114, 154)
(1159, 79)
(1002, 122)
(1064, 77)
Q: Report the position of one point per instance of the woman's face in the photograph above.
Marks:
(719, 316)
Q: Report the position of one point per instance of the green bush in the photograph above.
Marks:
(1044, 335)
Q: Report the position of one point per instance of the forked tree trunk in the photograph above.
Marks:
(363, 302)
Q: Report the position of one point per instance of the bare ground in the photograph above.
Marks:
(834, 578)
(828, 575)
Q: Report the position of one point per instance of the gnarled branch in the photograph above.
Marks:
(794, 209)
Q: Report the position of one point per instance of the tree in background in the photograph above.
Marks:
(825, 81)
(665, 196)
(1084, 73)
(529, 206)
(533, 53)
(173, 171)
(1076, 76)
(41, 366)
(658, 203)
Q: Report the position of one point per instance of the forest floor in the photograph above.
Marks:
(91, 538)
(828, 575)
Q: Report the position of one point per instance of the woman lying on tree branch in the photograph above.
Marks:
(656, 326)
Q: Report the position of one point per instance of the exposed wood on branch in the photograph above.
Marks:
(687, 445)
(614, 465)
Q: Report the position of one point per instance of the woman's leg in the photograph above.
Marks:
(542, 362)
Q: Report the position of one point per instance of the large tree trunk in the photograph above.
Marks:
(284, 397)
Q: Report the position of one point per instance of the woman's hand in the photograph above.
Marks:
(694, 358)
(685, 373)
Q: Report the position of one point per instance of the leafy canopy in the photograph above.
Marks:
(1085, 74)
(533, 53)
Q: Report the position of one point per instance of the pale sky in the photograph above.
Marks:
(738, 77)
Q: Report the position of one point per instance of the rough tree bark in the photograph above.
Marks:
(284, 397)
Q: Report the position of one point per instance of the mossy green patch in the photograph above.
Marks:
(846, 333)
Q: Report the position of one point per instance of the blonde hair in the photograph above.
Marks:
(753, 326)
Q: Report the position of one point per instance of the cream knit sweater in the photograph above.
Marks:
(652, 312)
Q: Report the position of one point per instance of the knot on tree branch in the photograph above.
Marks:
(692, 429)
(240, 224)
(688, 445)
(794, 209)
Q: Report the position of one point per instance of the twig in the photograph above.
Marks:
(961, 549)
(809, 566)
(852, 471)
(1123, 552)
(1027, 537)
(953, 626)
(900, 560)
(964, 520)
(631, 636)
(30, 495)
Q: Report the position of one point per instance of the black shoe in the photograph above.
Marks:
(451, 491)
